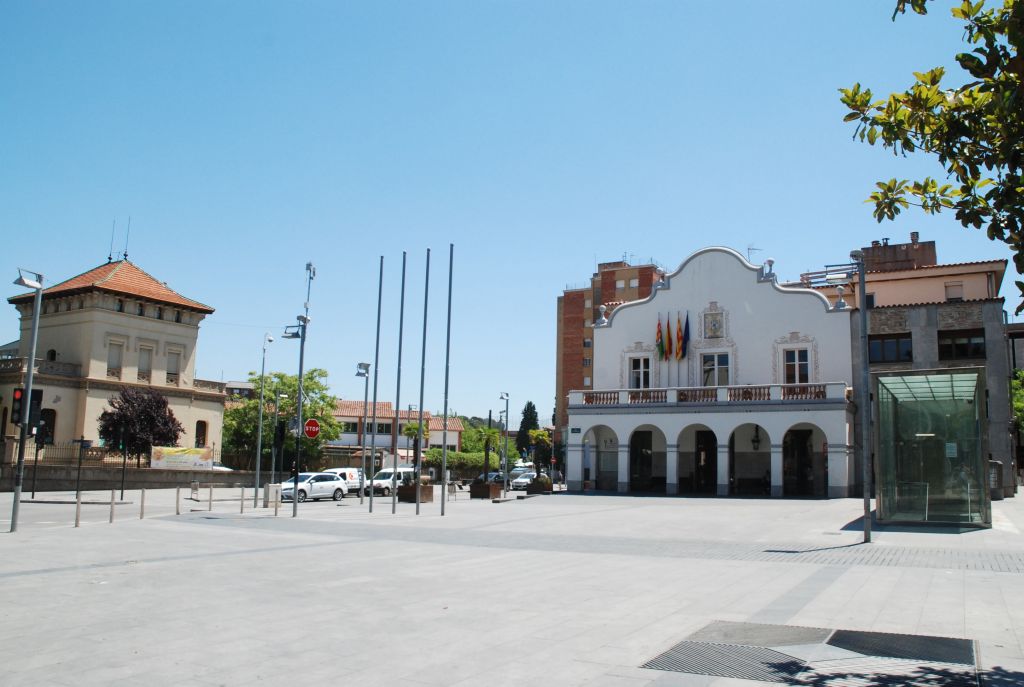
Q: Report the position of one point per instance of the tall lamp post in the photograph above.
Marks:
(865, 381)
(37, 304)
(267, 338)
(504, 453)
(298, 331)
(363, 370)
(273, 448)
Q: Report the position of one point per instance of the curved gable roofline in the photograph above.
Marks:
(734, 254)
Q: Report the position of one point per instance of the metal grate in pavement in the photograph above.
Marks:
(758, 634)
(914, 647)
(886, 672)
(728, 660)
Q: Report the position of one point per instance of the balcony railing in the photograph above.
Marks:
(688, 396)
(45, 367)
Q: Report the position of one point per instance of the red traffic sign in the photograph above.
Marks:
(311, 428)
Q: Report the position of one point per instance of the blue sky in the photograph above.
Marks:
(247, 138)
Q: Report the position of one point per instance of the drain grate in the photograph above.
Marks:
(914, 647)
(757, 634)
(727, 660)
(887, 672)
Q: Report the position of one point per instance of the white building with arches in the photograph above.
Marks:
(720, 382)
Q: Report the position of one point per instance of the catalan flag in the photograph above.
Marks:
(686, 337)
(680, 354)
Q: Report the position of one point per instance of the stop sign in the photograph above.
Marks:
(311, 428)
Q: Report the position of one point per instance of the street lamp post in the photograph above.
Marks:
(363, 370)
(273, 447)
(267, 338)
(865, 421)
(37, 304)
(504, 455)
(298, 332)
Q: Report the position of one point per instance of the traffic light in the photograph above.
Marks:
(17, 400)
(35, 407)
(279, 435)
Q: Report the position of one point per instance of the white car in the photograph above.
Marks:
(353, 478)
(523, 480)
(315, 486)
(386, 480)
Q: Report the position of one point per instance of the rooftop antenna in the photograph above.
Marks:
(110, 253)
(127, 236)
(752, 249)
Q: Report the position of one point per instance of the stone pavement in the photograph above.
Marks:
(555, 590)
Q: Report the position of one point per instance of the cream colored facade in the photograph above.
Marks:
(92, 342)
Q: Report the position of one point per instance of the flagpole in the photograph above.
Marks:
(398, 395)
(447, 351)
(423, 376)
(376, 368)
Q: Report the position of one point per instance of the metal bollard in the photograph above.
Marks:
(78, 509)
(210, 507)
(111, 506)
(142, 505)
(242, 500)
(177, 500)
(277, 502)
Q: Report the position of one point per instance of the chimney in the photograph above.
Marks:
(914, 236)
(876, 244)
(885, 240)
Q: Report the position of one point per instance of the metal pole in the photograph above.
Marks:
(177, 500)
(423, 373)
(504, 457)
(865, 394)
(447, 350)
(35, 468)
(142, 505)
(124, 459)
(78, 475)
(273, 448)
(112, 492)
(398, 393)
(364, 372)
(298, 438)
(376, 366)
(78, 509)
(267, 338)
(19, 470)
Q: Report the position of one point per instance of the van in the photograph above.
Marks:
(353, 477)
(387, 479)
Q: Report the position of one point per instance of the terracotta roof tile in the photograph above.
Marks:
(121, 277)
(436, 424)
(355, 409)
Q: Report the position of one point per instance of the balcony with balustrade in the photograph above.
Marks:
(722, 397)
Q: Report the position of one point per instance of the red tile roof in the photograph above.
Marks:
(120, 277)
(355, 409)
(436, 424)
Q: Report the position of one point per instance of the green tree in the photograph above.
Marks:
(540, 439)
(411, 431)
(974, 129)
(241, 420)
(529, 422)
(1017, 400)
(144, 418)
(488, 437)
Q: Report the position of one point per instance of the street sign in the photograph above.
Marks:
(311, 428)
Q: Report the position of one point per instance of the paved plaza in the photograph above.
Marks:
(554, 590)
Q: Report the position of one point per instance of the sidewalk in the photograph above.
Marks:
(555, 590)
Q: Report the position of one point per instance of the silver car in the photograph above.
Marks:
(315, 486)
(523, 480)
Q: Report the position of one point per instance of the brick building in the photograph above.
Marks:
(611, 285)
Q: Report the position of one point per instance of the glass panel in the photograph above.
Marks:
(931, 464)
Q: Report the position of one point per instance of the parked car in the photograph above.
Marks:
(495, 476)
(523, 480)
(315, 486)
(353, 477)
(516, 472)
(387, 479)
(221, 467)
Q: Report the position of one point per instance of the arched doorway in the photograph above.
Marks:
(601, 458)
(698, 460)
(750, 461)
(647, 460)
(804, 462)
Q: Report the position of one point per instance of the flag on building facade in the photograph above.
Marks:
(659, 343)
(668, 337)
(680, 343)
(686, 336)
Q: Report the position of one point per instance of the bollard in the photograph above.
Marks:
(78, 509)
(177, 500)
(142, 505)
(111, 506)
(277, 501)
(242, 507)
(210, 507)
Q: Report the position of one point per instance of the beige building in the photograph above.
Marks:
(111, 327)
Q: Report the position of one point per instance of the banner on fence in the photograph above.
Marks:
(174, 458)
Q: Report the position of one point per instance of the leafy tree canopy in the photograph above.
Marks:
(529, 422)
(144, 417)
(975, 129)
(242, 419)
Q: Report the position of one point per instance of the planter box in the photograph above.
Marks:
(407, 493)
(534, 488)
(485, 491)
